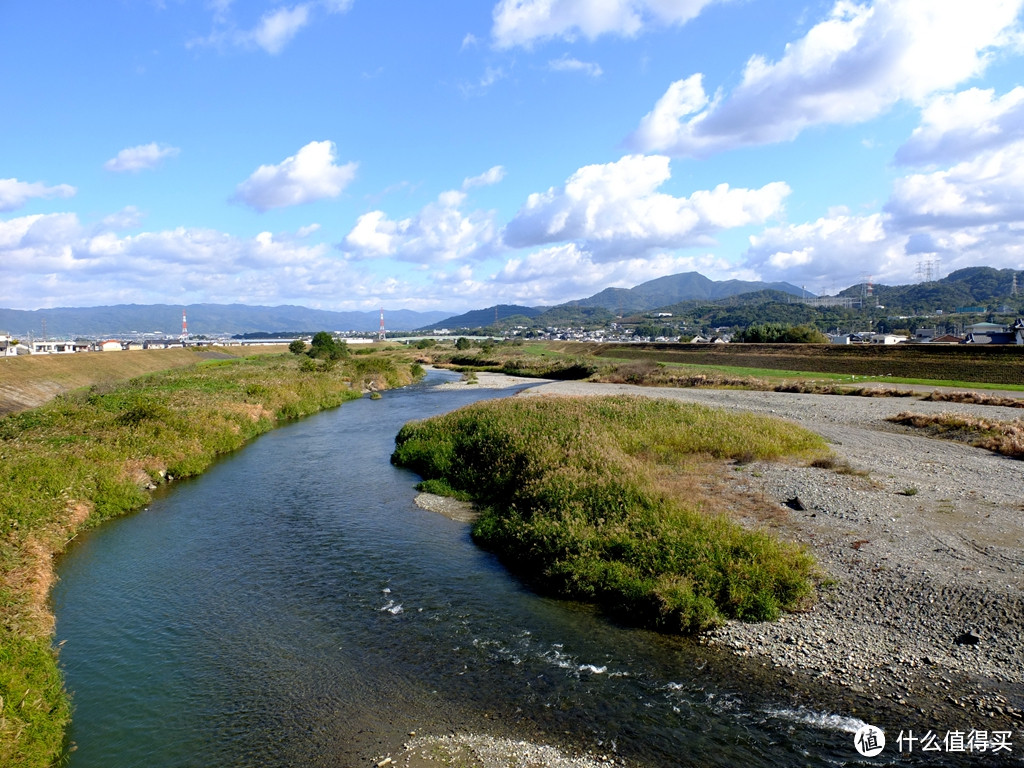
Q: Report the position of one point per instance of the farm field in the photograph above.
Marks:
(1003, 365)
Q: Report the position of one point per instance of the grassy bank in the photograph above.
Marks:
(600, 499)
(29, 381)
(92, 454)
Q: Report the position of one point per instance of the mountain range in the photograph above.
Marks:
(973, 286)
(124, 320)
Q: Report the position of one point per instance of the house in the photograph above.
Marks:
(887, 338)
(111, 345)
(947, 338)
(57, 347)
(12, 347)
(985, 328)
(135, 345)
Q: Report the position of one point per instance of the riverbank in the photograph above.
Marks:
(95, 454)
(924, 542)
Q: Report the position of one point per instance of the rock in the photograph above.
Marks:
(968, 638)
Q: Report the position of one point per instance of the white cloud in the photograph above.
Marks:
(277, 28)
(987, 189)
(841, 248)
(14, 194)
(338, 6)
(439, 232)
(848, 68)
(311, 174)
(143, 157)
(128, 217)
(51, 257)
(568, 64)
(522, 22)
(615, 211)
(957, 126)
(845, 250)
(488, 178)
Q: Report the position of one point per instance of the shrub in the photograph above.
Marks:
(572, 502)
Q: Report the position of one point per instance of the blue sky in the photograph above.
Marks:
(356, 154)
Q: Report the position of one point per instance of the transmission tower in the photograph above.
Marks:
(1013, 288)
(184, 328)
(380, 334)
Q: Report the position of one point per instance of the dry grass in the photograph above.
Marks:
(973, 398)
(1004, 437)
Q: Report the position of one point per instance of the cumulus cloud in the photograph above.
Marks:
(310, 174)
(522, 22)
(615, 211)
(439, 232)
(844, 250)
(15, 194)
(850, 67)
(144, 157)
(51, 257)
(569, 64)
(987, 189)
(958, 126)
(486, 179)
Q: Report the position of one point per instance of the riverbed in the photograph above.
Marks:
(294, 607)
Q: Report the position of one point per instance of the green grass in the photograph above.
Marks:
(600, 499)
(91, 455)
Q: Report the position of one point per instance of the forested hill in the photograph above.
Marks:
(673, 289)
(969, 287)
(480, 318)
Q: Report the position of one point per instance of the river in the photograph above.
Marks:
(293, 607)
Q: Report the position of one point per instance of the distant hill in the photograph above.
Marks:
(972, 286)
(481, 318)
(674, 289)
(203, 319)
(603, 306)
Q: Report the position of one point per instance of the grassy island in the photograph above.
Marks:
(96, 453)
(599, 499)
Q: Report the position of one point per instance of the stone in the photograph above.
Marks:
(968, 638)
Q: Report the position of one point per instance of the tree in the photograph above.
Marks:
(326, 347)
(463, 343)
(297, 347)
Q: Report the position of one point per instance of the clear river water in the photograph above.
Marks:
(293, 607)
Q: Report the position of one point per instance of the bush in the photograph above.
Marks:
(572, 501)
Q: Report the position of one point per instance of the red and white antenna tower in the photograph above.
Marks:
(184, 327)
(380, 333)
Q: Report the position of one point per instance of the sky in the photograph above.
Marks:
(456, 154)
